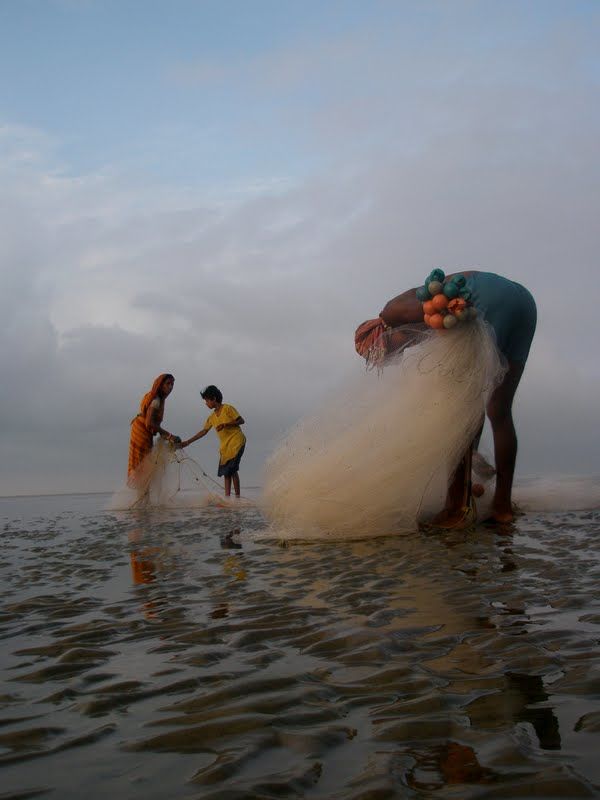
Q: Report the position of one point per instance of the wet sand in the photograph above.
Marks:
(157, 654)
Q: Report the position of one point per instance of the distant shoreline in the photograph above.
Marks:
(72, 494)
(53, 494)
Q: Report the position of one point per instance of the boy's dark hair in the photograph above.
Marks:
(212, 393)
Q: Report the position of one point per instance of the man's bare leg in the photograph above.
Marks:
(499, 411)
(459, 491)
(458, 497)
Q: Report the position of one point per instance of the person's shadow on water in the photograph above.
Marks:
(228, 542)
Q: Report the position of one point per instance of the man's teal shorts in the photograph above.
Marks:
(510, 310)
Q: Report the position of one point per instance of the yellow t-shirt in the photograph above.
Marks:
(230, 439)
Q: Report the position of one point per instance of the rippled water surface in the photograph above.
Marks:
(159, 655)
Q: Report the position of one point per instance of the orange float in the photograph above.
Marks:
(441, 312)
(439, 302)
(458, 304)
(436, 321)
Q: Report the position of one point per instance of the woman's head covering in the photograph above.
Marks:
(370, 342)
(154, 392)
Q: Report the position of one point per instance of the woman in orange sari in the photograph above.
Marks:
(148, 423)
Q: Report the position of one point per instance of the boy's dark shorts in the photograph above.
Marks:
(232, 466)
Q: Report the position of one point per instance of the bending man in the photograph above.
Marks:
(511, 311)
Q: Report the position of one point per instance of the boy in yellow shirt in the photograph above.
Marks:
(226, 421)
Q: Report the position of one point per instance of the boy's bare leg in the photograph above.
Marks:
(236, 483)
(227, 485)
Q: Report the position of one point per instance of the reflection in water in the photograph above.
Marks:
(220, 611)
(143, 568)
(228, 542)
(519, 699)
(233, 567)
(143, 562)
(448, 763)
(532, 691)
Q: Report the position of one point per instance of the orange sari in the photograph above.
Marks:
(140, 440)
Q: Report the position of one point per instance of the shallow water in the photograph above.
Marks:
(154, 655)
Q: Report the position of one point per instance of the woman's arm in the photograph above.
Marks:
(152, 423)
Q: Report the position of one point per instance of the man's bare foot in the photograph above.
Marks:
(500, 518)
(452, 518)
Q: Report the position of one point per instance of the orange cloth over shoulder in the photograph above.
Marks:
(140, 440)
(369, 340)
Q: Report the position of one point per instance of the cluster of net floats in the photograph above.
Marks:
(446, 303)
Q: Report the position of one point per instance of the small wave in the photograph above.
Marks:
(558, 493)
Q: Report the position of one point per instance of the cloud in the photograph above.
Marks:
(458, 161)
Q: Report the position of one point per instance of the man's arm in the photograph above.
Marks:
(402, 309)
(405, 308)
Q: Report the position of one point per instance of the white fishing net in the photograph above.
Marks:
(378, 456)
(168, 477)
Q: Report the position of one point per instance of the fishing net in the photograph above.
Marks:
(169, 477)
(378, 456)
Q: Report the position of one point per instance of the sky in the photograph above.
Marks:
(225, 190)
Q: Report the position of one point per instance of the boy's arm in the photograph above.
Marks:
(234, 424)
(197, 436)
